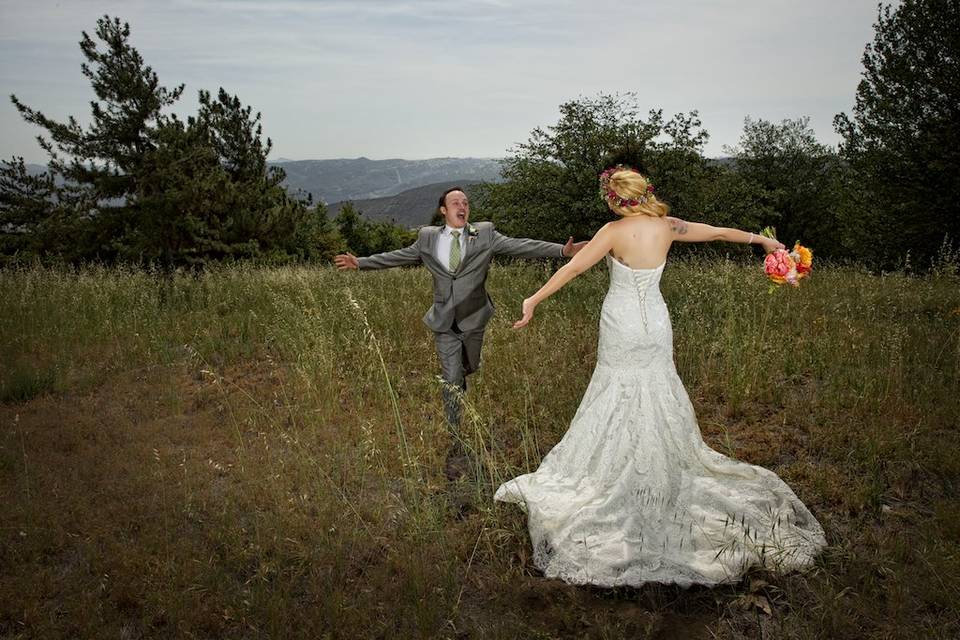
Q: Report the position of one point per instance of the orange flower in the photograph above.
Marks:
(805, 254)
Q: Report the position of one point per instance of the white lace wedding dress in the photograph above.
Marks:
(632, 494)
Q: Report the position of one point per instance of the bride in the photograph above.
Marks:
(632, 494)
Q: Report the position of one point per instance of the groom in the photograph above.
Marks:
(458, 256)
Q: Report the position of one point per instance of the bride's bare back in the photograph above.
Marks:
(641, 242)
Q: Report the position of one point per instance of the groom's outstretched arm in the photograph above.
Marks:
(398, 258)
(528, 248)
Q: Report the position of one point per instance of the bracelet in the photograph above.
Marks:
(750, 241)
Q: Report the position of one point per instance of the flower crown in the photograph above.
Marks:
(609, 195)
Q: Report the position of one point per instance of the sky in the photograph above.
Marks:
(421, 79)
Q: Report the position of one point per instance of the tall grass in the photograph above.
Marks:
(258, 452)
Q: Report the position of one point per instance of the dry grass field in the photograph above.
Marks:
(258, 452)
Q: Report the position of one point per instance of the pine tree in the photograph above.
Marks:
(26, 206)
(142, 186)
(102, 164)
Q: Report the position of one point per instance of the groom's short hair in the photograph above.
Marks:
(443, 198)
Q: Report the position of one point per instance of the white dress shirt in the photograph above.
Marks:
(445, 241)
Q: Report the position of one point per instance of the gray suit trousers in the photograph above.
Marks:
(459, 353)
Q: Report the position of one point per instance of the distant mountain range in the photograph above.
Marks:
(362, 179)
(409, 209)
(403, 192)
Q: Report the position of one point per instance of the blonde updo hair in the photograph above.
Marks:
(626, 185)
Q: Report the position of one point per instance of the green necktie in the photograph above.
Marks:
(455, 251)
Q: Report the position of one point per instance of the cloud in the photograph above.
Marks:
(420, 78)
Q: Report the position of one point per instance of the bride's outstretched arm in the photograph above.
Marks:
(684, 231)
(585, 258)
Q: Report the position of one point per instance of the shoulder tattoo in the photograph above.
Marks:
(678, 226)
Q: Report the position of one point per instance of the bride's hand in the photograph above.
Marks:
(528, 307)
(771, 244)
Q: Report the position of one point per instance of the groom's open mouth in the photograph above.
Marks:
(462, 217)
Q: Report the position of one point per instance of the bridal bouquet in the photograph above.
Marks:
(787, 267)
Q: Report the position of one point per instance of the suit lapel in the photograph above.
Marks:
(430, 250)
(472, 248)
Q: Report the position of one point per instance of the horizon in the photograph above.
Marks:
(282, 160)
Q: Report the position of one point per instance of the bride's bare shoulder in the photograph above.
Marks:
(641, 224)
(634, 222)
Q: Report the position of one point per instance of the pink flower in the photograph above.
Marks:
(778, 263)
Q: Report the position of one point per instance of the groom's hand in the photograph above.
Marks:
(571, 248)
(346, 261)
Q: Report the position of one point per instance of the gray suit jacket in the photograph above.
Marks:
(461, 295)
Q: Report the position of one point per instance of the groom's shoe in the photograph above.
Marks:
(461, 501)
(457, 465)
